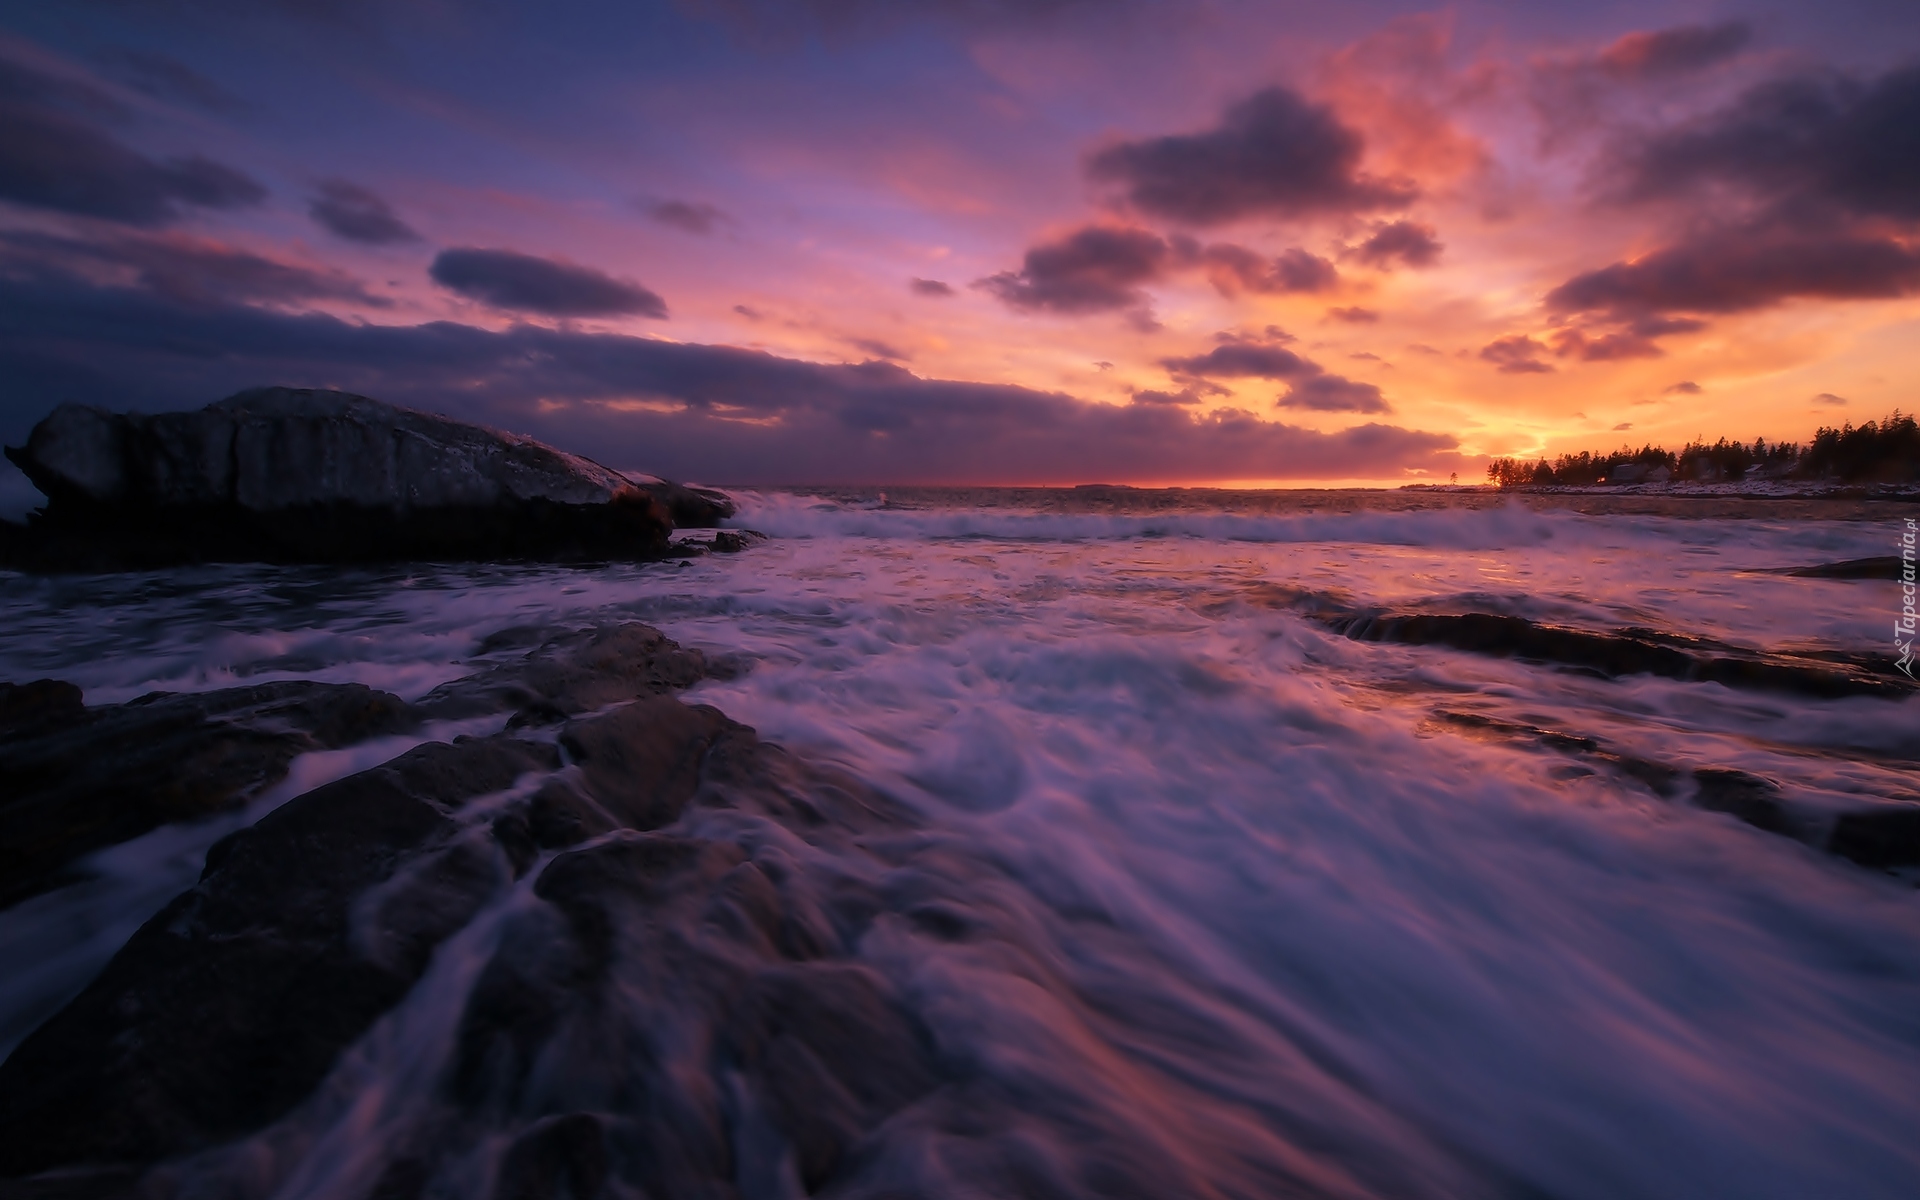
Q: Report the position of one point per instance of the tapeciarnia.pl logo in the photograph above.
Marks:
(1903, 628)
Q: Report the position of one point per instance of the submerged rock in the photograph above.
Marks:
(1883, 834)
(229, 1006)
(79, 779)
(1881, 567)
(301, 475)
(1624, 652)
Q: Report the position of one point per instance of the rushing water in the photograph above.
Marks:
(1337, 930)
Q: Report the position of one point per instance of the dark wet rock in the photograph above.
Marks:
(572, 673)
(1659, 778)
(1887, 835)
(228, 1007)
(299, 475)
(559, 816)
(1746, 797)
(674, 1010)
(79, 779)
(642, 761)
(1608, 654)
(820, 1052)
(691, 507)
(1626, 652)
(1884, 836)
(1884, 567)
(40, 704)
(559, 1158)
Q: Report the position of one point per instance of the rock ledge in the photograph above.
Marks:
(300, 475)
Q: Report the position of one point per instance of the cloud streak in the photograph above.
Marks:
(350, 211)
(183, 269)
(55, 156)
(1740, 270)
(514, 282)
(688, 216)
(1675, 51)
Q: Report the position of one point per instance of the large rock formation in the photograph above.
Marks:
(284, 474)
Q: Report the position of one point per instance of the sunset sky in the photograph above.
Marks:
(975, 240)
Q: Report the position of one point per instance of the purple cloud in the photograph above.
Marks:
(518, 282)
(1274, 154)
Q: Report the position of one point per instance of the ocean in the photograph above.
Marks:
(1246, 898)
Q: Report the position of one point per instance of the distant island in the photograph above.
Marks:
(1886, 451)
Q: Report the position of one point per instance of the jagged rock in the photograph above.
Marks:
(284, 474)
(1883, 836)
(672, 1005)
(1623, 652)
(692, 507)
(571, 673)
(1607, 653)
(1746, 797)
(229, 1006)
(79, 779)
(642, 761)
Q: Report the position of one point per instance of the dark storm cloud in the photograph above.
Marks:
(55, 155)
(929, 287)
(1516, 355)
(708, 412)
(1234, 269)
(1739, 270)
(687, 216)
(1334, 393)
(1818, 141)
(1409, 242)
(352, 212)
(517, 282)
(189, 271)
(1096, 269)
(1673, 51)
(1273, 154)
(1242, 360)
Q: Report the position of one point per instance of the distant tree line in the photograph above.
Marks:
(1886, 451)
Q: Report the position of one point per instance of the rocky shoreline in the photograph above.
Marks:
(232, 1007)
(1882, 836)
(286, 475)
